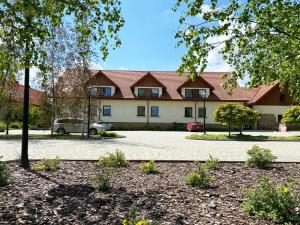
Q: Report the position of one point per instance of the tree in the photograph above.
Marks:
(235, 114)
(27, 24)
(10, 103)
(258, 38)
(58, 50)
(291, 116)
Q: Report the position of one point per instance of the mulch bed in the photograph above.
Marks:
(66, 197)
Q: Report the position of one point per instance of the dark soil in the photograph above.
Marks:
(66, 197)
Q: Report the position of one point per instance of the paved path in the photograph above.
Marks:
(147, 145)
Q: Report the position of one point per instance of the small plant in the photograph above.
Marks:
(115, 160)
(4, 173)
(150, 167)
(47, 165)
(107, 134)
(16, 125)
(2, 127)
(274, 202)
(212, 163)
(100, 180)
(199, 178)
(260, 157)
(133, 218)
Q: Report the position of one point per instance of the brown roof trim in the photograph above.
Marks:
(199, 77)
(148, 74)
(158, 99)
(100, 72)
(275, 84)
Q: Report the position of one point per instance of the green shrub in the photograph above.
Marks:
(100, 180)
(260, 157)
(2, 127)
(16, 125)
(274, 202)
(115, 160)
(150, 167)
(47, 165)
(211, 163)
(107, 134)
(4, 173)
(199, 178)
(133, 218)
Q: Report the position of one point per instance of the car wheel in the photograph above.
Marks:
(61, 131)
(93, 131)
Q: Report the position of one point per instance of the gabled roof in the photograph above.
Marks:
(146, 76)
(101, 73)
(125, 79)
(262, 91)
(35, 96)
(199, 78)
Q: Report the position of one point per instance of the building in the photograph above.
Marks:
(135, 99)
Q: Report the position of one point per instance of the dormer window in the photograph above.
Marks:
(155, 92)
(106, 91)
(141, 92)
(194, 92)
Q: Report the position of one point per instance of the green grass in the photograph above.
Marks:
(238, 137)
(60, 137)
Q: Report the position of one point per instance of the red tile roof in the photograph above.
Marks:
(35, 96)
(172, 81)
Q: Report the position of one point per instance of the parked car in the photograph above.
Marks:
(108, 126)
(65, 126)
(194, 126)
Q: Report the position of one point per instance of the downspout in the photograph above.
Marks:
(195, 118)
(148, 103)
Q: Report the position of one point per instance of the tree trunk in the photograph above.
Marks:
(241, 130)
(229, 129)
(24, 153)
(7, 128)
(53, 105)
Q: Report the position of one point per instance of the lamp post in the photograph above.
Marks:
(204, 96)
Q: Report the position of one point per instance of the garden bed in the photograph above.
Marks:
(238, 137)
(66, 197)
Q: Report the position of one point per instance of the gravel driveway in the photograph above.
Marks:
(147, 145)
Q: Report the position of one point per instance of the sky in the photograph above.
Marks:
(148, 39)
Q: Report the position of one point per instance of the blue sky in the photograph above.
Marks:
(148, 41)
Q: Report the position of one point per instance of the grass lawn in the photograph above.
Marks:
(108, 135)
(238, 137)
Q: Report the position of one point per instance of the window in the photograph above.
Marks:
(202, 93)
(154, 110)
(188, 93)
(141, 110)
(188, 112)
(106, 110)
(154, 92)
(141, 92)
(279, 118)
(107, 91)
(94, 110)
(93, 91)
(282, 98)
(201, 112)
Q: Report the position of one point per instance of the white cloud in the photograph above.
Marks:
(123, 68)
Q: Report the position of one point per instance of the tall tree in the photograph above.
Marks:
(26, 23)
(258, 38)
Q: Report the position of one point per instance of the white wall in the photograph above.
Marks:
(270, 109)
(169, 111)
